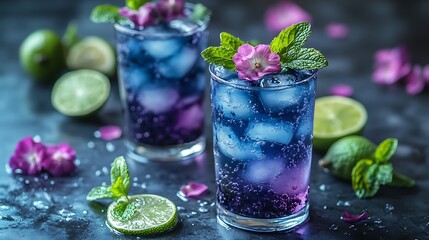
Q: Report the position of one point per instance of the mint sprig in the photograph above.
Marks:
(222, 55)
(107, 14)
(135, 4)
(369, 174)
(118, 190)
(199, 13)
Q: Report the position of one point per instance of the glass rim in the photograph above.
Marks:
(202, 26)
(258, 88)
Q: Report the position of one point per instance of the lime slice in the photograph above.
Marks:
(336, 117)
(80, 93)
(92, 53)
(154, 214)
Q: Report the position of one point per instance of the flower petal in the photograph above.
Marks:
(59, 160)
(426, 73)
(110, 132)
(415, 81)
(28, 156)
(347, 217)
(171, 9)
(194, 189)
(284, 14)
(341, 90)
(391, 65)
(337, 30)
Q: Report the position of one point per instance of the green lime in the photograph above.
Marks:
(92, 53)
(42, 55)
(154, 214)
(336, 117)
(80, 93)
(343, 155)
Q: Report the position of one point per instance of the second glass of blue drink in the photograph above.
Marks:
(162, 86)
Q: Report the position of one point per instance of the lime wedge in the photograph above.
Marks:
(80, 93)
(336, 117)
(92, 53)
(154, 214)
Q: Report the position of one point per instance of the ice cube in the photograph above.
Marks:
(183, 25)
(161, 48)
(305, 126)
(223, 73)
(230, 145)
(134, 77)
(234, 103)
(292, 181)
(191, 118)
(178, 65)
(263, 170)
(281, 100)
(157, 99)
(276, 132)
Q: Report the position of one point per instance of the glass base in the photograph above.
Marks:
(146, 153)
(259, 224)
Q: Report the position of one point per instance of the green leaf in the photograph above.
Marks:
(384, 174)
(70, 36)
(360, 183)
(219, 56)
(124, 210)
(400, 180)
(119, 170)
(367, 176)
(200, 13)
(99, 193)
(385, 150)
(118, 189)
(289, 42)
(283, 39)
(106, 13)
(135, 4)
(230, 42)
(309, 59)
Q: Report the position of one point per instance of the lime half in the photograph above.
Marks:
(92, 53)
(154, 214)
(80, 93)
(336, 117)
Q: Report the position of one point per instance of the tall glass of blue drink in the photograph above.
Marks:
(162, 83)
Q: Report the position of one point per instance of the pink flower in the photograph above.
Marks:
(110, 132)
(252, 63)
(415, 81)
(59, 160)
(341, 90)
(193, 189)
(171, 9)
(284, 14)
(337, 30)
(28, 156)
(391, 65)
(426, 73)
(146, 15)
(347, 217)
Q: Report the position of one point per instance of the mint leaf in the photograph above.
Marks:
(124, 210)
(120, 176)
(70, 36)
(219, 56)
(200, 13)
(289, 42)
(230, 42)
(99, 193)
(283, 40)
(384, 174)
(400, 180)
(385, 150)
(367, 176)
(118, 189)
(309, 59)
(135, 4)
(106, 13)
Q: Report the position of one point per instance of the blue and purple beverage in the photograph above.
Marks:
(162, 83)
(262, 147)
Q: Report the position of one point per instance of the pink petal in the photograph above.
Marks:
(426, 73)
(59, 160)
(341, 90)
(347, 217)
(28, 156)
(391, 65)
(337, 30)
(110, 132)
(284, 14)
(171, 9)
(415, 81)
(194, 189)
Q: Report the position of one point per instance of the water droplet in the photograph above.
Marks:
(203, 209)
(333, 227)
(4, 207)
(203, 203)
(212, 204)
(97, 173)
(182, 196)
(27, 181)
(105, 170)
(110, 147)
(37, 138)
(377, 221)
(143, 185)
(389, 208)
(20, 179)
(8, 168)
(97, 134)
(66, 213)
(135, 179)
(36, 179)
(52, 182)
(90, 144)
(46, 176)
(76, 184)
(325, 207)
(324, 187)
(343, 203)
(40, 205)
(180, 209)
(147, 176)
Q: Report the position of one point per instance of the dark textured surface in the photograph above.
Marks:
(25, 110)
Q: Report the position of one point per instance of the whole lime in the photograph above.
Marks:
(42, 55)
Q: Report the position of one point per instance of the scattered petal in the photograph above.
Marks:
(391, 65)
(171, 9)
(194, 189)
(337, 30)
(253, 63)
(284, 14)
(110, 132)
(341, 90)
(415, 81)
(347, 217)
(28, 156)
(59, 160)
(426, 73)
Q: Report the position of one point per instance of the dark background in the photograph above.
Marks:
(25, 110)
